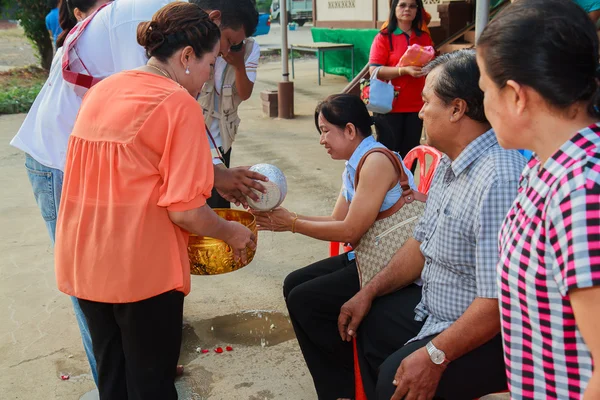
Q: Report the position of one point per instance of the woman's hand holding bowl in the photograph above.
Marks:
(276, 220)
(239, 239)
(234, 184)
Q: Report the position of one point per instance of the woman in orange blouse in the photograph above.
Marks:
(137, 177)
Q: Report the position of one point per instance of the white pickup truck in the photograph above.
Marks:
(299, 11)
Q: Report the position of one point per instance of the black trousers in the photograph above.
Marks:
(314, 296)
(404, 131)
(215, 200)
(381, 345)
(136, 346)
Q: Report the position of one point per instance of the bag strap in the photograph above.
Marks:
(214, 143)
(402, 177)
(375, 72)
(408, 195)
(74, 71)
(374, 75)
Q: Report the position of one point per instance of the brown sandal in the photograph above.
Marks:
(179, 370)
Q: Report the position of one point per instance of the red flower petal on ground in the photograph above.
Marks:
(65, 377)
(218, 350)
(229, 348)
(204, 351)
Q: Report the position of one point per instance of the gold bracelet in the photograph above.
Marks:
(399, 71)
(294, 223)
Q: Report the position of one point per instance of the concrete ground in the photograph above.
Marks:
(272, 40)
(15, 51)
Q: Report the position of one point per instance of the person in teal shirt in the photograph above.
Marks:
(592, 7)
(588, 5)
(52, 23)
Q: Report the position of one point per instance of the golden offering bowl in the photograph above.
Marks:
(209, 256)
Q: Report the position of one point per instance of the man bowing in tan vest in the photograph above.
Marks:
(232, 83)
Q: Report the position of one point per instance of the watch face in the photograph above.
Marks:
(438, 357)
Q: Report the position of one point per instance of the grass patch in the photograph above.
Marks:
(19, 87)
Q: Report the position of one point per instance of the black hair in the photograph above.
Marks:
(66, 18)
(548, 45)
(176, 26)
(459, 79)
(392, 22)
(235, 14)
(343, 109)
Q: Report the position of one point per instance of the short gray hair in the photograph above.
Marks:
(459, 79)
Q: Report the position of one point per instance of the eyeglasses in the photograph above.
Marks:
(412, 6)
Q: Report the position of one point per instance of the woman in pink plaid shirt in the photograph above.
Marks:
(539, 71)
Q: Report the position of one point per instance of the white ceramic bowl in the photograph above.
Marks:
(276, 188)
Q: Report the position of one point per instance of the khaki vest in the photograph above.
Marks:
(229, 102)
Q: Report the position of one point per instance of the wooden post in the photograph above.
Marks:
(375, 11)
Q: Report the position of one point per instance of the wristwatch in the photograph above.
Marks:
(437, 356)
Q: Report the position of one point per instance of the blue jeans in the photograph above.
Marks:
(47, 186)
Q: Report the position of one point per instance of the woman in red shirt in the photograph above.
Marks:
(402, 30)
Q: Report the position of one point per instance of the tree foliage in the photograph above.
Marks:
(263, 6)
(32, 17)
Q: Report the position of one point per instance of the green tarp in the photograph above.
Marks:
(338, 62)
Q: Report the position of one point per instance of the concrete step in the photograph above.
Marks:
(469, 37)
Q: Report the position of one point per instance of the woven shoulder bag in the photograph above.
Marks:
(391, 228)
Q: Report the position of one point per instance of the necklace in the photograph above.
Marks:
(165, 73)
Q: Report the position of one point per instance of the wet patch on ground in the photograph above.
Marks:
(248, 328)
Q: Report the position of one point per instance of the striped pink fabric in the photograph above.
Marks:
(550, 245)
(74, 71)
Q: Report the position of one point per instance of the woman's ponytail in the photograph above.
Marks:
(383, 130)
(66, 20)
(594, 104)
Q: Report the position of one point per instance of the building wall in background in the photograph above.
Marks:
(360, 13)
(345, 10)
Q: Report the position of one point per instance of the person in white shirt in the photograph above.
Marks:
(107, 45)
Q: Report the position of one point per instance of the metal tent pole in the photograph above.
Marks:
(482, 16)
(285, 97)
(283, 18)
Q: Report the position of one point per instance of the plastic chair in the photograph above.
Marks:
(426, 172)
(419, 154)
(359, 390)
(334, 248)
